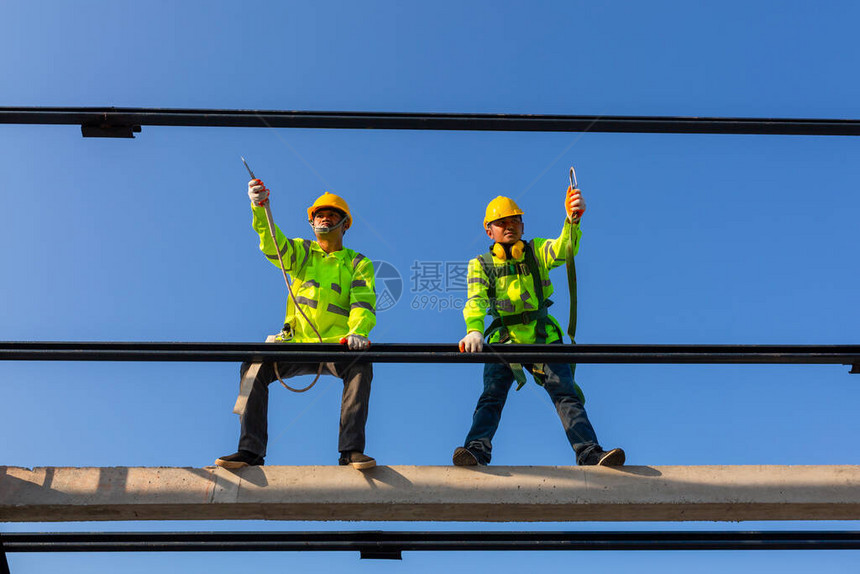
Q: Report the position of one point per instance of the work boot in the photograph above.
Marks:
(357, 460)
(240, 459)
(464, 457)
(599, 457)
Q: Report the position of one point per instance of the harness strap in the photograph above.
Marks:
(570, 264)
(531, 262)
(502, 322)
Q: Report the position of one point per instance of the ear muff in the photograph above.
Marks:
(501, 251)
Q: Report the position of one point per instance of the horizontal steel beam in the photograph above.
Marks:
(428, 353)
(121, 122)
(391, 544)
(4, 564)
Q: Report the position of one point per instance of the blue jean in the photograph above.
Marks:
(558, 382)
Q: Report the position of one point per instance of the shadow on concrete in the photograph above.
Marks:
(567, 471)
(256, 475)
(488, 470)
(385, 475)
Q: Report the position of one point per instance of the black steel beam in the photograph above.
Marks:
(428, 353)
(4, 564)
(120, 122)
(390, 544)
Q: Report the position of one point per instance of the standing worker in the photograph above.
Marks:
(512, 284)
(335, 288)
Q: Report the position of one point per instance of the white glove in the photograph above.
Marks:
(257, 192)
(356, 342)
(472, 343)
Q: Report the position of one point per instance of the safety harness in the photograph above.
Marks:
(502, 323)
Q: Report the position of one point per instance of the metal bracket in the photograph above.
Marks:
(4, 564)
(108, 131)
(855, 369)
(380, 554)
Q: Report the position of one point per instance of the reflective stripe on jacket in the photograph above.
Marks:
(515, 290)
(335, 290)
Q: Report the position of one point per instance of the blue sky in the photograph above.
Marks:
(687, 238)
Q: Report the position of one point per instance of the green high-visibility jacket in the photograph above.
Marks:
(515, 290)
(335, 290)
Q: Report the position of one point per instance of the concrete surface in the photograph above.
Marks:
(432, 493)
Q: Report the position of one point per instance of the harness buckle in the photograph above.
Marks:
(285, 335)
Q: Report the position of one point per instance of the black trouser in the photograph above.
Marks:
(353, 407)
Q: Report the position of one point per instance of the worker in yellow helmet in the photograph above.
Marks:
(511, 283)
(335, 288)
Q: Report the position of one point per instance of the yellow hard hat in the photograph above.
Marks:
(330, 201)
(501, 207)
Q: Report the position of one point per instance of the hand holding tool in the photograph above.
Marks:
(574, 203)
(254, 183)
(355, 342)
(473, 342)
(257, 192)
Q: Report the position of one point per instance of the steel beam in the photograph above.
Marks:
(390, 544)
(429, 353)
(121, 122)
(4, 564)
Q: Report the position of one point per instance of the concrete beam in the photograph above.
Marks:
(432, 493)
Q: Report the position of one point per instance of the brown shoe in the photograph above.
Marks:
(357, 460)
(464, 457)
(599, 457)
(240, 459)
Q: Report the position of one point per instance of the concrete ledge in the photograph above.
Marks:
(432, 493)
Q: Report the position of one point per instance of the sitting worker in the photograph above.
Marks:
(335, 288)
(511, 282)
